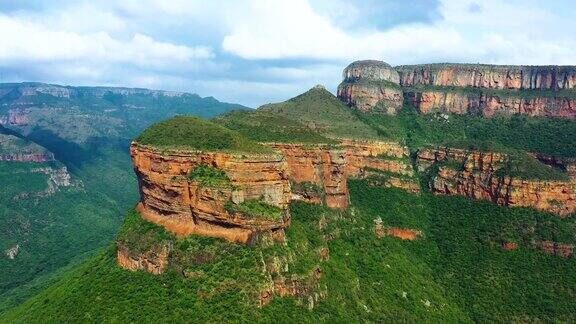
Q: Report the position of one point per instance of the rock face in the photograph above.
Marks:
(321, 166)
(491, 90)
(371, 86)
(489, 76)
(33, 157)
(153, 261)
(184, 207)
(488, 105)
(329, 167)
(552, 196)
(478, 179)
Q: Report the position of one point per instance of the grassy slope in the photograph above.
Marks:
(457, 267)
(188, 132)
(324, 113)
(265, 126)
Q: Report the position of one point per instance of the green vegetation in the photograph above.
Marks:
(552, 136)
(89, 133)
(524, 166)
(457, 273)
(255, 208)
(322, 112)
(188, 132)
(209, 176)
(265, 126)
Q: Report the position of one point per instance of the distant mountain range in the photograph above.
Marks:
(65, 166)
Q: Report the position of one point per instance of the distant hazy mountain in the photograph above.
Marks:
(66, 173)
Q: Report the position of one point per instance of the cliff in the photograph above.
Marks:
(477, 175)
(371, 86)
(488, 90)
(489, 76)
(329, 167)
(490, 104)
(185, 206)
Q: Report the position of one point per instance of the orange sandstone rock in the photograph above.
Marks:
(185, 207)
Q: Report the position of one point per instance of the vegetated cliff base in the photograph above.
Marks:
(371, 86)
(249, 198)
(485, 176)
(320, 172)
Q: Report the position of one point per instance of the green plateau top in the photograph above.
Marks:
(188, 132)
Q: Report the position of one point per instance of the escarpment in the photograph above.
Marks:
(479, 175)
(322, 170)
(371, 86)
(213, 204)
(477, 89)
(489, 76)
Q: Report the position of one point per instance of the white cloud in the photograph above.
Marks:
(26, 41)
(494, 32)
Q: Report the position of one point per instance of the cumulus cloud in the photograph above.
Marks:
(25, 41)
(493, 32)
(256, 51)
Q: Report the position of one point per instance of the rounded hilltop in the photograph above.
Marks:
(371, 70)
(194, 133)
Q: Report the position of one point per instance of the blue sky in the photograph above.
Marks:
(259, 51)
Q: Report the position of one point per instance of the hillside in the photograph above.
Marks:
(346, 208)
(64, 157)
(457, 272)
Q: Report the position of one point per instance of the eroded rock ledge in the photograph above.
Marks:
(184, 206)
(371, 86)
(477, 177)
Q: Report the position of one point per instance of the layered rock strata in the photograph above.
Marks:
(489, 76)
(478, 179)
(490, 104)
(371, 86)
(330, 167)
(184, 206)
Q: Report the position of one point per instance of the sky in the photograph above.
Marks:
(259, 51)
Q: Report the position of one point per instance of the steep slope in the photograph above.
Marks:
(457, 271)
(64, 157)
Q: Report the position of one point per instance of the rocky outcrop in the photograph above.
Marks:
(371, 86)
(406, 234)
(558, 197)
(330, 167)
(13, 252)
(469, 159)
(154, 261)
(489, 76)
(476, 177)
(490, 104)
(318, 165)
(16, 117)
(306, 289)
(555, 248)
(184, 206)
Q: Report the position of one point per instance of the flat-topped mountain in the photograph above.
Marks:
(486, 90)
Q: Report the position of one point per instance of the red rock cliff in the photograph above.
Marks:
(479, 180)
(371, 86)
(184, 207)
(489, 76)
